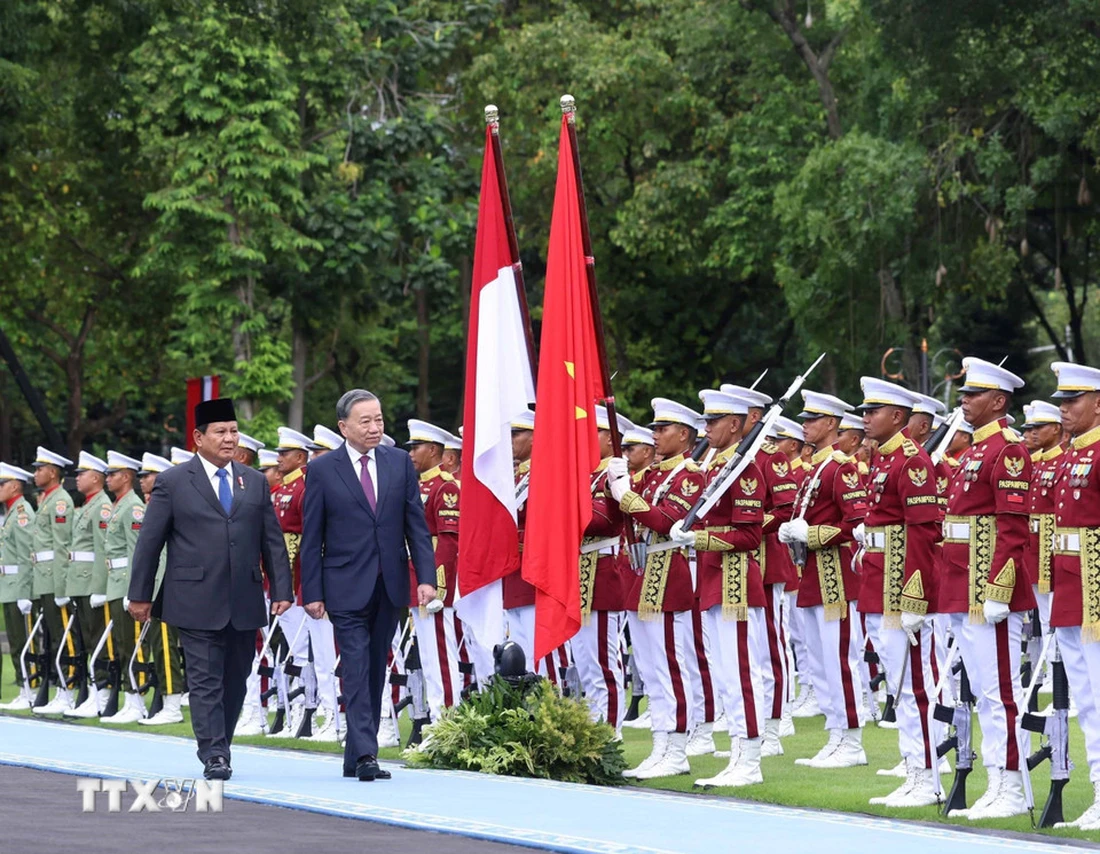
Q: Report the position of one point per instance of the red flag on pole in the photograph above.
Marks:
(198, 390)
(566, 448)
(499, 385)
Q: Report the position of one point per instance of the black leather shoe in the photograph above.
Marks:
(217, 768)
(366, 769)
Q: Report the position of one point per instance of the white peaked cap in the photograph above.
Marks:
(153, 464)
(927, 405)
(718, 404)
(422, 431)
(10, 472)
(178, 456)
(524, 421)
(1075, 380)
(755, 399)
(246, 441)
(86, 462)
(293, 440)
(453, 443)
(268, 459)
(878, 392)
(815, 404)
(46, 457)
(1040, 412)
(667, 411)
(785, 428)
(985, 376)
(117, 461)
(604, 423)
(326, 438)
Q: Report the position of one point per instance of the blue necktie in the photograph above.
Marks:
(225, 491)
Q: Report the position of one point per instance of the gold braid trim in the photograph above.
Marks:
(1001, 587)
(441, 583)
(762, 554)
(1046, 550)
(735, 588)
(983, 541)
(1090, 585)
(913, 600)
(819, 536)
(633, 503)
(832, 584)
(654, 581)
(293, 544)
(706, 542)
(588, 579)
(893, 572)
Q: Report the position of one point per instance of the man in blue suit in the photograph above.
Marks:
(362, 521)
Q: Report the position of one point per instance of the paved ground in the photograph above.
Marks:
(38, 805)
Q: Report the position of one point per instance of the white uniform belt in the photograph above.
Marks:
(9, 569)
(956, 531)
(118, 563)
(82, 557)
(606, 546)
(875, 540)
(1067, 542)
(667, 546)
(42, 557)
(1035, 524)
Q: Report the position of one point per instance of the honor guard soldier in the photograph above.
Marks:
(850, 440)
(16, 581)
(662, 596)
(638, 450)
(178, 456)
(985, 586)
(122, 535)
(325, 440)
(1075, 576)
(87, 584)
(437, 631)
(164, 640)
(247, 449)
(640, 454)
(831, 502)
(596, 645)
(731, 589)
(897, 585)
(53, 527)
(269, 465)
(452, 454)
(1043, 424)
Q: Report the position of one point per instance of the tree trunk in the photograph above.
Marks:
(242, 345)
(298, 374)
(423, 329)
(5, 424)
(466, 276)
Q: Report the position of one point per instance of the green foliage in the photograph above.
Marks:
(504, 729)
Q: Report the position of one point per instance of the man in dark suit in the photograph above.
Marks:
(363, 520)
(216, 518)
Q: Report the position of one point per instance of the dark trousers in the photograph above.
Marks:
(218, 665)
(364, 638)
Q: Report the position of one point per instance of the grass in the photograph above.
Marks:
(842, 790)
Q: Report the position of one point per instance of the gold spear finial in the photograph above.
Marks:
(568, 106)
(492, 114)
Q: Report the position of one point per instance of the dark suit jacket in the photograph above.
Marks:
(345, 545)
(213, 576)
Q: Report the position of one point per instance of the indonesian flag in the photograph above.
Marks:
(499, 385)
(566, 448)
(198, 390)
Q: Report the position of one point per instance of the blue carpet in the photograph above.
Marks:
(554, 816)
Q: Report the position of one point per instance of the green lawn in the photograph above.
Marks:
(845, 790)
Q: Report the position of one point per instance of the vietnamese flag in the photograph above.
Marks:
(566, 449)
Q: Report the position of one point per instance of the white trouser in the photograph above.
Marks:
(600, 666)
(707, 703)
(519, 624)
(737, 671)
(992, 658)
(836, 652)
(662, 646)
(1042, 600)
(318, 634)
(803, 658)
(912, 700)
(395, 663)
(438, 646)
(1082, 662)
(769, 652)
(479, 653)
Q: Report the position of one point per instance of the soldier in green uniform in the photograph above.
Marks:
(53, 526)
(15, 572)
(122, 534)
(88, 575)
(163, 639)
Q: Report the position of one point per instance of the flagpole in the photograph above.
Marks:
(492, 121)
(569, 110)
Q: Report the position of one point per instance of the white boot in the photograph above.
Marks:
(786, 724)
(660, 745)
(326, 731)
(251, 720)
(923, 790)
(169, 714)
(835, 735)
(898, 770)
(909, 772)
(771, 745)
(993, 786)
(21, 702)
(1090, 818)
(673, 762)
(807, 706)
(640, 722)
(701, 742)
(62, 701)
(388, 735)
(1009, 801)
(87, 709)
(185, 700)
(132, 711)
(848, 754)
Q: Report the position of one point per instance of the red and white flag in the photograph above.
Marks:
(198, 390)
(499, 385)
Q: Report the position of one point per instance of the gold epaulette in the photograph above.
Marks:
(769, 448)
(1011, 435)
(446, 476)
(840, 457)
(692, 466)
(909, 448)
(1037, 457)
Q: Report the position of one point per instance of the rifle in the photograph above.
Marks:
(75, 660)
(283, 670)
(961, 717)
(260, 669)
(938, 443)
(1029, 673)
(417, 694)
(1056, 730)
(149, 669)
(113, 699)
(308, 689)
(745, 453)
(27, 677)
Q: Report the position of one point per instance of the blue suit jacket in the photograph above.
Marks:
(345, 545)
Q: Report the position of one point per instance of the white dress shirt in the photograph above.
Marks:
(212, 475)
(372, 467)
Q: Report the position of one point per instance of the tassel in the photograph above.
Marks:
(891, 621)
(1044, 585)
(836, 611)
(1090, 632)
(735, 613)
(977, 615)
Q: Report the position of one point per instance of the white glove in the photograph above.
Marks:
(434, 607)
(912, 624)
(795, 531)
(24, 606)
(98, 600)
(617, 468)
(125, 603)
(679, 535)
(61, 600)
(995, 612)
(859, 533)
(619, 488)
